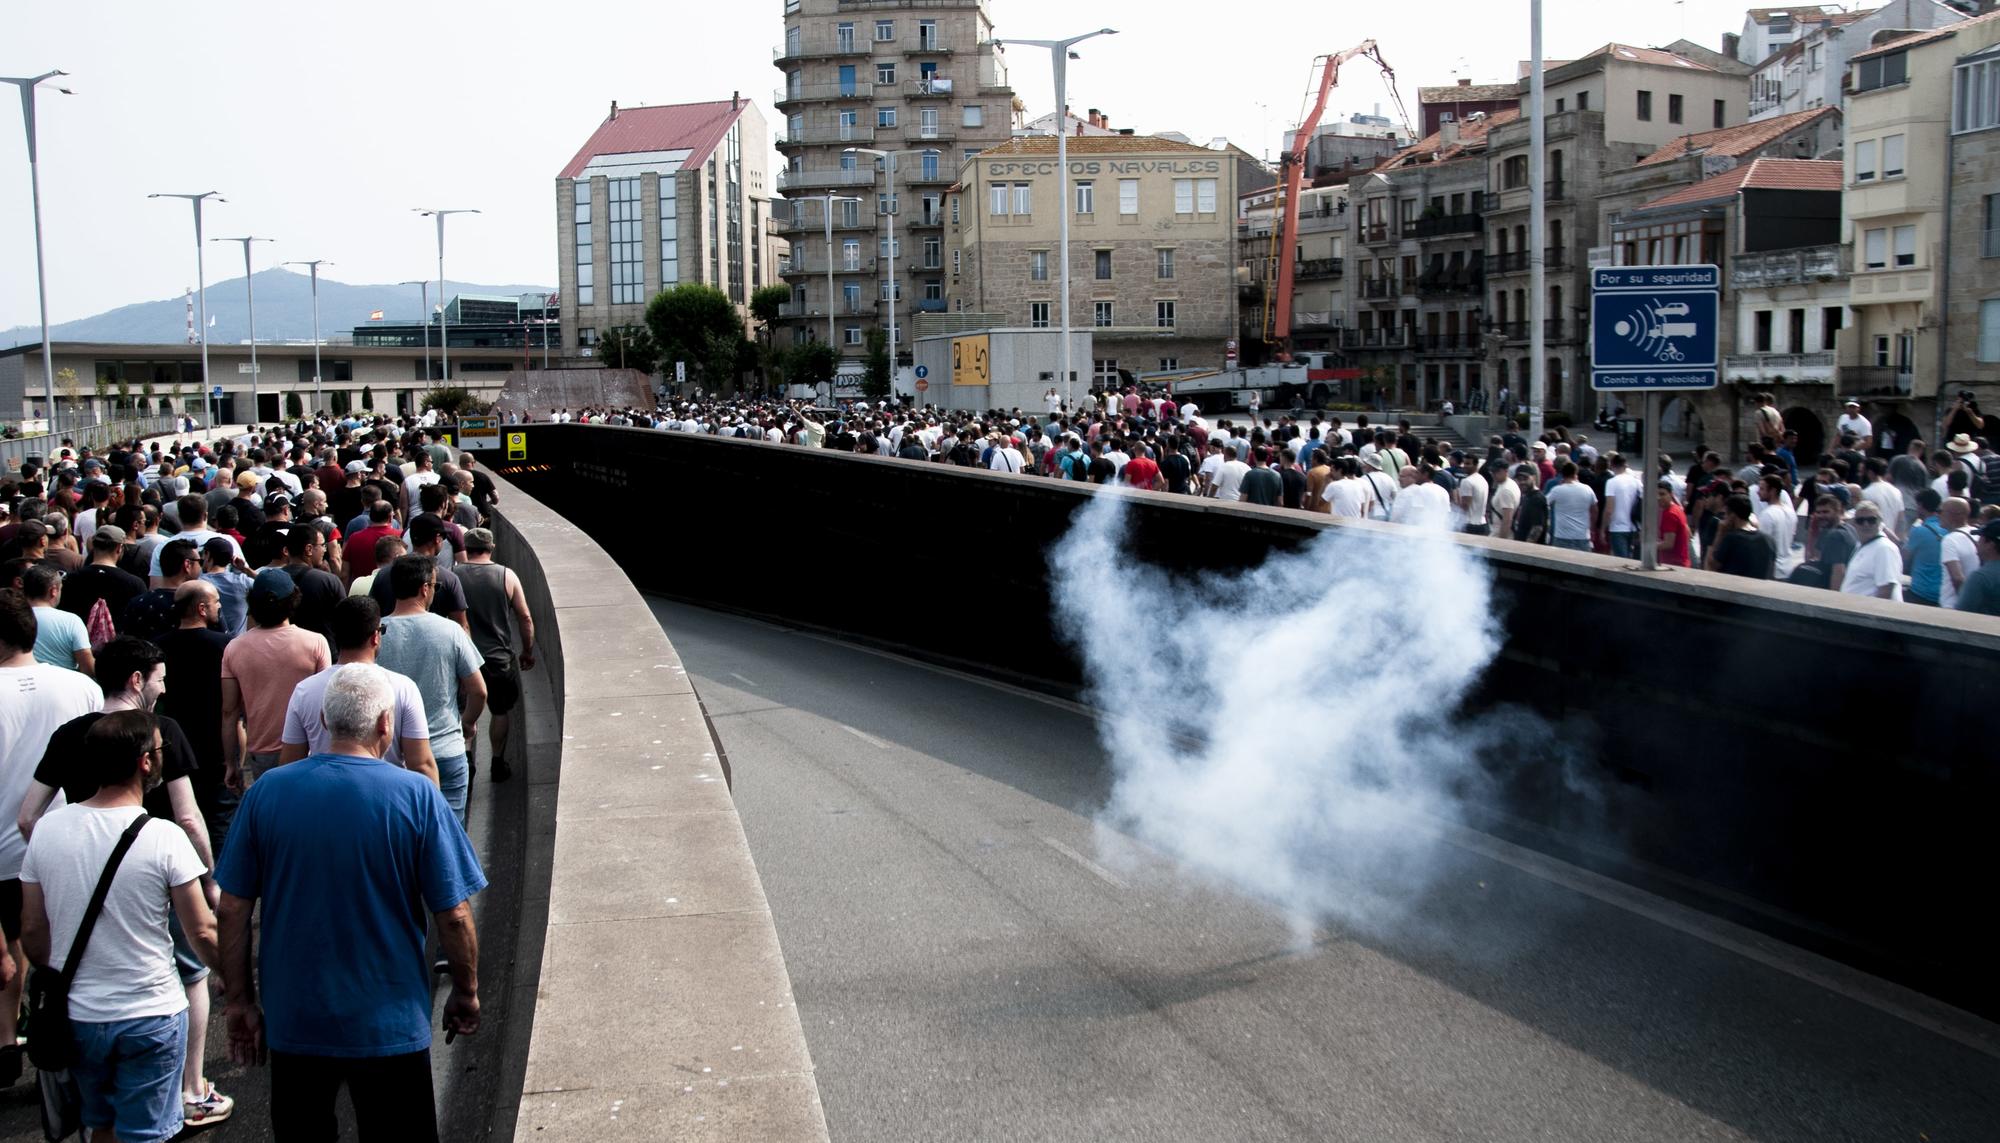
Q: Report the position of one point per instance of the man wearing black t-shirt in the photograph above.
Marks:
(319, 589)
(193, 650)
(102, 578)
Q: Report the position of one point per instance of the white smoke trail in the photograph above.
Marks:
(1288, 730)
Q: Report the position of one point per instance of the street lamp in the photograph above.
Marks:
(1059, 53)
(250, 290)
(895, 288)
(444, 347)
(201, 287)
(28, 84)
(423, 286)
(829, 198)
(319, 393)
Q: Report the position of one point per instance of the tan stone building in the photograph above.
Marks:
(1972, 317)
(1152, 247)
(658, 196)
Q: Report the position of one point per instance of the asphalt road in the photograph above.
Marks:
(970, 965)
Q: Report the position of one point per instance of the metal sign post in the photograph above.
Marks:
(1654, 329)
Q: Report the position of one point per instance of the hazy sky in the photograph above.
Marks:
(324, 124)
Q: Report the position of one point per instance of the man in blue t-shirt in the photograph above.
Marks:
(348, 853)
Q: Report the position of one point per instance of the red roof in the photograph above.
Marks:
(692, 127)
(1471, 137)
(1758, 174)
(1630, 54)
(1739, 140)
(1944, 33)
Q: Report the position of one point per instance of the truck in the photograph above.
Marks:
(1313, 378)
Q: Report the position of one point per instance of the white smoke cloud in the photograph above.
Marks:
(1290, 730)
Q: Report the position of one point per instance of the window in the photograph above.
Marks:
(1166, 265)
(997, 194)
(885, 75)
(792, 41)
(1086, 197)
(1514, 172)
(1813, 58)
(886, 249)
(1892, 156)
(1038, 265)
(1674, 109)
(849, 161)
(1101, 314)
(843, 37)
(1882, 71)
(1183, 196)
(1763, 342)
(1721, 114)
(1864, 161)
(1103, 267)
(889, 291)
(1875, 250)
(1128, 196)
(1167, 363)
(973, 116)
(1795, 326)
(954, 210)
(928, 122)
(1559, 105)
(586, 262)
(1024, 201)
(850, 254)
(850, 214)
(587, 335)
(933, 254)
(1204, 196)
(1163, 314)
(1991, 247)
(1105, 369)
(1829, 327)
(1906, 245)
(928, 166)
(1881, 351)
(885, 117)
(1038, 315)
(1583, 101)
(884, 203)
(1975, 96)
(927, 35)
(670, 247)
(1989, 330)
(850, 335)
(885, 31)
(850, 292)
(1645, 106)
(955, 256)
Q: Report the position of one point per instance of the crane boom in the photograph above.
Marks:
(1286, 233)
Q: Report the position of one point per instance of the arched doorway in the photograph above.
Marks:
(1893, 434)
(1812, 434)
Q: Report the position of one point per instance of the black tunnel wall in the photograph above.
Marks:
(1813, 768)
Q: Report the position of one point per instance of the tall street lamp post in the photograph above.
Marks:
(444, 347)
(28, 84)
(423, 286)
(250, 292)
(201, 287)
(1059, 52)
(895, 292)
(828, 199)
(319, 391)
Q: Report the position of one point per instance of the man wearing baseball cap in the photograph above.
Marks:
(260, 668)
(1851, 421)
(102, 578)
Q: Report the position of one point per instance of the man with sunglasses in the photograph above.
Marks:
(1876, 568)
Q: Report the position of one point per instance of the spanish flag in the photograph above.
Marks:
(374, 315)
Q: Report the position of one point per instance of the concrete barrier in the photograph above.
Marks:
(662, 1009)
(1814, 765)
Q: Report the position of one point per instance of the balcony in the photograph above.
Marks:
(1449, 344)
(1780, 368)
(1309, 268)
(1380, 290)
(789, 58)
(929, 46)
(1447, 225)
(922, 221)
(919, 134)
(1377, 232)
(1877, 380)
(815, 226)
(1394, 337)
(1461, 284)
(823, 136)
(804, 262)
(1516, 198)
(1552, 330)
(930, 305)
(1315, 321)
(1516, 261)
(786, 98)
(934, 85)
(1786, 267)
(916, 175)
(823, 179)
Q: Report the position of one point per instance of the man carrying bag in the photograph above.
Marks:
(97, 883)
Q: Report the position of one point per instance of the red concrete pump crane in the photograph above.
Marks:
(1293, 179)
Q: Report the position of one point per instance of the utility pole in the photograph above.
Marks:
(444, 339)
(28, 84)
(319, 391)
(250, 291)
(1538, 297)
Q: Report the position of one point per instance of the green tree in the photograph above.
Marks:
(453, 401)
(875, 365)
(629, 347)
(368, 398)
(812, 364)
(293, 406)
(698, 325)
(765, 304)
(339, 403)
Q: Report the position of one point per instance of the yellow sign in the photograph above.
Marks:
(444, 439)
(971, 362)
(517, 446)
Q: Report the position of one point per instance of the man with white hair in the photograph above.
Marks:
(353, 1011)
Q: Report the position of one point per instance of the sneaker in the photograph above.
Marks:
(212, 1108)
(501, 771)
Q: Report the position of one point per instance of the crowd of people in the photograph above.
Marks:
(280, 645)
(1914, 523)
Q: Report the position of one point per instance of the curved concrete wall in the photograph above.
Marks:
(1810, 764)
(662, 1009)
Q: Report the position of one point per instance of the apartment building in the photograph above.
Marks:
(1972, 250)
(1810, 71)
(1459, 102)
(1606, 112)
(1767, 31)
(658, 196)
(1153, 254)
(1321, 307)
(922, 81)
(1900, 136)
(1420, 268)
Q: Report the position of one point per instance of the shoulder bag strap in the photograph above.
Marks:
(96, 905)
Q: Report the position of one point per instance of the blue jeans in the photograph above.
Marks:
(1574, 545)
(453, 778)
(130, 1074)
(1622, 543)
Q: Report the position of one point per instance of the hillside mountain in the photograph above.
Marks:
(284, 312)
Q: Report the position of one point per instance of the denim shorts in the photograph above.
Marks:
(453, 778)
(130, 1074)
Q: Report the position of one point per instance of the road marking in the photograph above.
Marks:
(864, 736)
(1087, 863)
(745, 681)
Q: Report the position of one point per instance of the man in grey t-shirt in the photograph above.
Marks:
(439, 657)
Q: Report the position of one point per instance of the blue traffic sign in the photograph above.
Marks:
(217, 391)
(1655, 327)
(923, 371)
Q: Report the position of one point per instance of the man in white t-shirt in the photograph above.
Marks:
(1211, 468)
(1876, 567)
(356, 627)
(1472, 494)
(1501, 506)
(1621, 498)
(126, 1003)
(1571, 503)
(1347, 495)
(1958, 552)
(412, 484)
(1851, 421)
(1229, 477)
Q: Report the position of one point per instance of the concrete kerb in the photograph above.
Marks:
(663, 1008)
